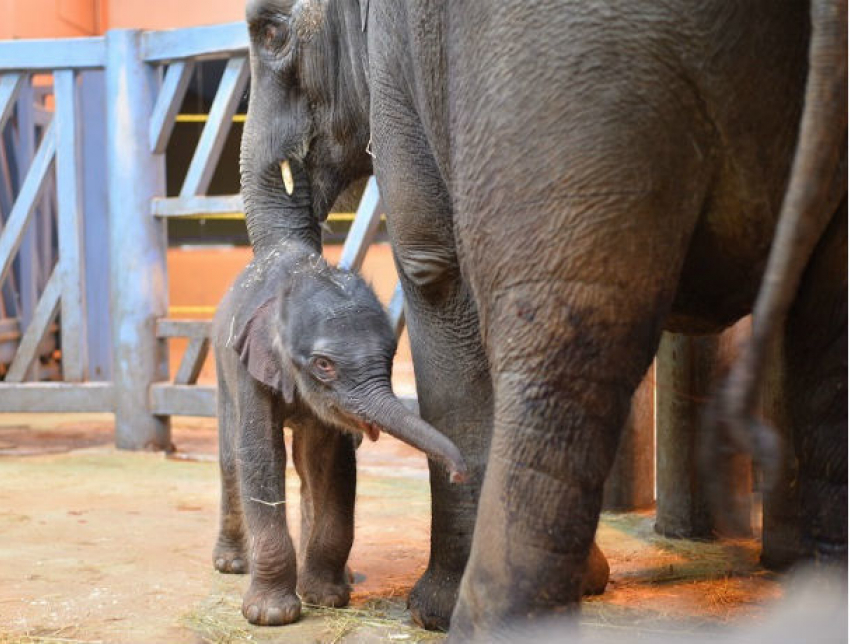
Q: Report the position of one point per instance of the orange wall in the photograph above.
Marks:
(67, 18)
(165, 14)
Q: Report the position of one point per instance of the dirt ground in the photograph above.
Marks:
(98, 545)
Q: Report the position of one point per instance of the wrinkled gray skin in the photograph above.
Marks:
(563, 181)
(300, 343)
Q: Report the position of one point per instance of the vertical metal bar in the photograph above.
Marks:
(71, 251)
(363, 229)
(96, 222)
(137, 245)
(220, 118)
(396, 311)
(27, 260)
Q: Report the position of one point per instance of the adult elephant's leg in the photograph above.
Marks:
(574, 212)
(816, 393)
(452, 379)
(324, 458)
(270, 599)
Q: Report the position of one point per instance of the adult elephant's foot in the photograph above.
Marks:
(230, 558)
(433, 598)
(597, 572)
(320, 591)
(265, 605)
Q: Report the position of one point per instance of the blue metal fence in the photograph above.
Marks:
(85, 123)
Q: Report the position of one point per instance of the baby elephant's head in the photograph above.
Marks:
(334, 346)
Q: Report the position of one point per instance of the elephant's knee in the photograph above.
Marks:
(429, 268)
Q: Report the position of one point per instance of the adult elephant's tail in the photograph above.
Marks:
(818, 177)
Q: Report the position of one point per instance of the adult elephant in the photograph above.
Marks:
(562, 182)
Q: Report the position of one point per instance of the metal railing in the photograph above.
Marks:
(105, 123)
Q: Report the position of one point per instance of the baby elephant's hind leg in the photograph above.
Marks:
(229, 554)
(325, 460)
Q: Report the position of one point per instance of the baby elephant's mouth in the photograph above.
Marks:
(372, 431)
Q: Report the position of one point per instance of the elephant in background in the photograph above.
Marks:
(562, 182)
(300, 343)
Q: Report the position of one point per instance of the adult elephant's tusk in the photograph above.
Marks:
(286, 173)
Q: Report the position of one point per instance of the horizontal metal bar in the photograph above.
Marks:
(194, 206)
(59, 397)
(47, 54)
(214, 41)
(182, 400)
(168, 103)
(174, 328)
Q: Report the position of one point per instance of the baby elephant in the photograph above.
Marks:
(300, 343)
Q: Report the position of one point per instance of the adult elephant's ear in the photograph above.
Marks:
(254, 343)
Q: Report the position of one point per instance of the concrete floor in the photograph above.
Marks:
(98, 545)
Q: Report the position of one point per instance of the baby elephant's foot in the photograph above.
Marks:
(270, 606)
(230, 559)
(320, 592)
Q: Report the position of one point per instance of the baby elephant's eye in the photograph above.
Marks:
(323, 368)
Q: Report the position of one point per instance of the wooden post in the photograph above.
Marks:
(781, 534)
(684, 369)
(631, 483)
(137, 245)
(688, 370)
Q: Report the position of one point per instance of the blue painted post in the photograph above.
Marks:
(137, 245)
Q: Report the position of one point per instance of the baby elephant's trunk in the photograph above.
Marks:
(388, 414)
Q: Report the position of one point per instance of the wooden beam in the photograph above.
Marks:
(168, 104)
(50, 54)
(215, 41)
(56, 397)
(69, 189)
(210, 145)
(45, 312)
(182, 400)
(10, 239)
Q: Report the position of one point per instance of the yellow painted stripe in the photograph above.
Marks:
(192, 310)
(335, 217)
(202, 118)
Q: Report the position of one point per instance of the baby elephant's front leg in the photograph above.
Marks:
(325, 460)
(270, 599)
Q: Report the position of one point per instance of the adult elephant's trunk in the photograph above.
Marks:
(386, 412)
(276, 209)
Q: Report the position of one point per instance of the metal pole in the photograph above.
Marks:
(137, 245)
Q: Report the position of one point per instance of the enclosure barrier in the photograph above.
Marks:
(102, 127)
(85, 123)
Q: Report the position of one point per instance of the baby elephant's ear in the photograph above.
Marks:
(255, 345)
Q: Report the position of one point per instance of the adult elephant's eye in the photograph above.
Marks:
(275, 35)
(323, 368)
